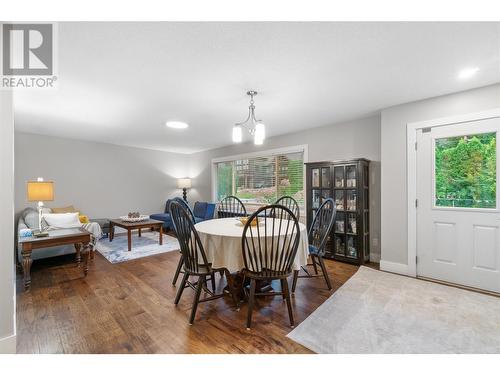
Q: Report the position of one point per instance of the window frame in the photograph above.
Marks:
(269, 152)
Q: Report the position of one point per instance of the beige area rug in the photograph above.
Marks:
(379, 312)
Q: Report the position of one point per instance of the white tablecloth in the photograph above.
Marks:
(221, 239)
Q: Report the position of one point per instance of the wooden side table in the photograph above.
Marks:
(78, 237)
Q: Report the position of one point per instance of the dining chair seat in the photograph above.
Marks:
(313, 250)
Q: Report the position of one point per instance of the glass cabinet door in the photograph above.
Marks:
(351, 224)
(351, 200)
(324, 195)
(339, 244)
(350, 178)
(325, 177)
(315, 177)
(339, 200)
(339, 223)
(338, 173)
(352, 249)
(316, 194)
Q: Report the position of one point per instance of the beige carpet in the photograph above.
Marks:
(379, 312)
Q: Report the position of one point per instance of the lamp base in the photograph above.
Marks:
(184, 194)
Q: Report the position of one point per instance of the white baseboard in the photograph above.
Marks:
(375, 258)
(393, 267)
(8, 345)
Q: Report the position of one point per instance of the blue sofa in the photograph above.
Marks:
(201, 211)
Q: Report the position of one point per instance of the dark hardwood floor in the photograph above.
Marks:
(128, 308)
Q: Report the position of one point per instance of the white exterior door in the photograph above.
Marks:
(458, 216)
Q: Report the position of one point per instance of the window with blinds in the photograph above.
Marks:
(262, 179)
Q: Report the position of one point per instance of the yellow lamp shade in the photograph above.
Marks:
(40, 191)
(184, 183)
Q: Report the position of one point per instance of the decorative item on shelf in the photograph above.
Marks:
(339, 182)
(40, 191)
(351, 204)
(351, 249)
(339, 226)
(351, 227)
(134, 217)
(339, 245)
(255, 127)
(339, 203)
(351, 182)
(184, 184)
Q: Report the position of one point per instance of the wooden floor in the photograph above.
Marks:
(128, 308)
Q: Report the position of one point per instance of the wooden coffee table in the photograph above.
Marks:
(139, 225)
(78, 237)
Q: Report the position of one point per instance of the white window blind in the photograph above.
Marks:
(262, 179)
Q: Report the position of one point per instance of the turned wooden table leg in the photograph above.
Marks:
(86, 252)
(27, 261)
(161, 235)
(129, 238)
(140, 232)
(78, 248)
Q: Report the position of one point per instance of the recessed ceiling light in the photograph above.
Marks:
(467, 72)
(177, 124)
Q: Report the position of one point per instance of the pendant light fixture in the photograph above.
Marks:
(255, 127)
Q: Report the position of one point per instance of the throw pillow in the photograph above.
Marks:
(64, 210)
(84, 219)
(67, 220)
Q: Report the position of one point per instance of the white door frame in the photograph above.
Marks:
(411, 172)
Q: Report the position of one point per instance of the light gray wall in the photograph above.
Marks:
(360, 138)
(101, 180)
(7, 281)
(393, 157)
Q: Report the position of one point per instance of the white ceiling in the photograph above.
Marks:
(120, 82)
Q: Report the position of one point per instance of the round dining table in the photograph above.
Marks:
(222, 242)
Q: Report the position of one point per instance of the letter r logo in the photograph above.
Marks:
(27, 49)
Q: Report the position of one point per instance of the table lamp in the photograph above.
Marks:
(39, 191)
(184, 184)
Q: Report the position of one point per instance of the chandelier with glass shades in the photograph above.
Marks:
(255, 127)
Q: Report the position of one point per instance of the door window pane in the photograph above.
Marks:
(465, 171)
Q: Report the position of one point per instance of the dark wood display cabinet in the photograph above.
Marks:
(347, 182)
